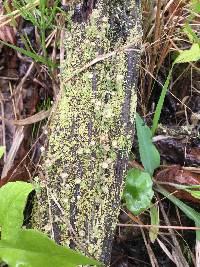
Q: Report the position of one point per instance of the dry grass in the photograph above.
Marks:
(163, 22)
(162, 35)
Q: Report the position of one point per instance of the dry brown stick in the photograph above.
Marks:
(30, 120)
(101, 58)
(153, 260)
(181, 259)
(159, 226)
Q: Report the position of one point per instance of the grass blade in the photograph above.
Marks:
(160, 103)
(30, 54)
(189, 212)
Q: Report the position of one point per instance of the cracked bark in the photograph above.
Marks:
(91, 131)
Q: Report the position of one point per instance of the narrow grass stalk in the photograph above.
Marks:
(32, 55)
(160, 102)
(42, 25)
(190, 213)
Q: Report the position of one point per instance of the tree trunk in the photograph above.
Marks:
(91, 130)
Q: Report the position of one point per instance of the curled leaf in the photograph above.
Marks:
(138, 191)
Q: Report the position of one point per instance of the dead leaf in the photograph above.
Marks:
(175, 174)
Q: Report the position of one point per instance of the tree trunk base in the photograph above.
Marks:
(91, 131)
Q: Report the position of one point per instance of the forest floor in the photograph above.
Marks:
(28, 90)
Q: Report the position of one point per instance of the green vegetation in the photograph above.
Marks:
(42, 15)
(29, 247)
(185, 56)
(2, 151)
(149, 155)
(189, 212)
(141, 192)
(138, 190)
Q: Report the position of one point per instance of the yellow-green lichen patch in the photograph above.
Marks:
(91, 132)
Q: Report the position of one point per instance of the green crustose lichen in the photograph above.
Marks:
(91, 132)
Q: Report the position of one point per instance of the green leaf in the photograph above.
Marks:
(13, 198)
(193, 193)
(138, 191)
(183, 187)
(192, 36)
(159, 106)
(29, 247)
(2, 151)
(195, 6)
(154, 213)
(30, 54)
(189, 212)
(193, 54)
(34, 249)
(149, 155)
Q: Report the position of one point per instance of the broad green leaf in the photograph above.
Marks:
(193, 54)
(13, 198)
(154, 213)
(2, 151)
(138, 191)
(189, 212)
(149, 155)
(34, 249)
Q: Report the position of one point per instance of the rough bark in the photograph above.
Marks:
(91, 131)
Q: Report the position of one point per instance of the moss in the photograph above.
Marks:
(91, 134)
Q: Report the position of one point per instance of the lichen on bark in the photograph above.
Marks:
(91, 131)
